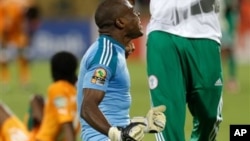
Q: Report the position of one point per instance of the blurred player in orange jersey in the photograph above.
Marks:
(244, 14)
(3, 72)
(14, 129)
(244, 23)
(1, 22)
(56, 119)
(11, 128)
(60, 108)
(32, 18)
(14, 37)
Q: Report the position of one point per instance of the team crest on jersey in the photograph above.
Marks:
(152, 81)
(60, 102)
(99, 76)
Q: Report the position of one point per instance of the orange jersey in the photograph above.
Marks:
(1, 17)
(60, 108)
(33, 133)
(244, 24)
(13, 130)
(34, 130)
(13, 23)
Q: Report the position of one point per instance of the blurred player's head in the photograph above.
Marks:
(118, 16)
(64, 66)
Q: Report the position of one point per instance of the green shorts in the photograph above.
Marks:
(185, 71)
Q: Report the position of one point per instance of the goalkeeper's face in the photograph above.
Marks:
(133, 22)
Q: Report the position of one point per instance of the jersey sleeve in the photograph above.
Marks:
(101, 67)
(97, 78)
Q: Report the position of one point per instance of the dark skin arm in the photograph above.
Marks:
(91, 112)
(68, 131)
(37, 104)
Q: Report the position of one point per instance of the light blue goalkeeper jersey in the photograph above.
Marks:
(104, 67)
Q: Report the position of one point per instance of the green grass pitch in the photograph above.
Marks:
(236, 108)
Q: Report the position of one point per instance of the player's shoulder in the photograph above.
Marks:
(106, 53)
(60, 86)
(54, 88)
(102, 53)
(14, 122)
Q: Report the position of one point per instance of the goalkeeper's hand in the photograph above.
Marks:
(133, 132)
(155, 120)
(129, 49)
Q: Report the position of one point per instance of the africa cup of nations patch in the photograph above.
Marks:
(99, 76)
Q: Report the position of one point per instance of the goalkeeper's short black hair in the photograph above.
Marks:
(64, 66)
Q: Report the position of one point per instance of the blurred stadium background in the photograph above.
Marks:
(68, 25)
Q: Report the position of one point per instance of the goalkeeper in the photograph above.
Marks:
(103, 88)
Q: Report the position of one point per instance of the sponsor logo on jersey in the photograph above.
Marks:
(218, 82)
(99, 76)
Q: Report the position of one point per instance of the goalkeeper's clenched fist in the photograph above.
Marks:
(133, 132)
(154, 122)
